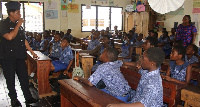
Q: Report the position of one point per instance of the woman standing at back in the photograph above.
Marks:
(186, 32)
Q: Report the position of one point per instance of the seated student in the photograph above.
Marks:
(68, 35)
(151, 41)
(127, 49)
(36, 43)
(149, 92)
(66, 57)
(109, 72)
(139, 42)
(178, 70)
(47, 35)
(191, 56)
(135, 35)
(132, 37)
(99, 50)
(55, 49)
(108, 32)
(44, 45)
(90, 37)
(102, 33)
(165, 41)
(94, 42)
(173, 35)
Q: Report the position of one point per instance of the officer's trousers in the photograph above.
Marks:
(18, 66)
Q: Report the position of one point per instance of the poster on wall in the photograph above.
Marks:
(64, 2)
(111, 3)
(51, 14)
(51, 5)
(64, 7)
(73, 8)
(196, 6)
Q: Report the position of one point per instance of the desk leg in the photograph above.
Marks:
(43, 69)
(64, 102)
(87, 64)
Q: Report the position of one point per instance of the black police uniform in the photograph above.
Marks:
(13, 55)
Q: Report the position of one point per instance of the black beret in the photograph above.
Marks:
(13, 5)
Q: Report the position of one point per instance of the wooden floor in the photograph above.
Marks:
(53, 101)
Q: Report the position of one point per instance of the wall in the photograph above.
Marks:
(73, 20)
(170, 19)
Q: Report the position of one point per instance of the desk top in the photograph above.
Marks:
(90, 94)
(40, 55)
(192, 88)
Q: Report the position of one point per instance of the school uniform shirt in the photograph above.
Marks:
(112, 77)
(93, 44)
(42, 47)
(15, 48)
(172, 37)
(178, 71)
(36, 45)
(56, 49)
(125, 52)
(150, 90)
(138, 43)
(66, 55)
(69, 36)
(192, 60)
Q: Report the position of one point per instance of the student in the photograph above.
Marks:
(68, 35)
(173, 35)
(109, 72)
(55, 49)
(139, 42)
(36, 43)
(102, 34)
(99, 50)
(66, 58)
(150, 42)
(178, 70)
(191, 56)
(94, 42)
(149, 92)
(44, 45)
(165, 41)
(135, 35)
(127, 49)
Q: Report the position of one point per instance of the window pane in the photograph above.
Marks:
(88, 18)
(34, 22)
(103, 17)
(116, 18)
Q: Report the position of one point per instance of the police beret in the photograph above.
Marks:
(13, 5)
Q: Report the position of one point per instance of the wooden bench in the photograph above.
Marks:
(191, 96)
(76, 94)
(42, 73)
(171, 90)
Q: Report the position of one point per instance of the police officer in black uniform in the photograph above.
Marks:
(13, 53)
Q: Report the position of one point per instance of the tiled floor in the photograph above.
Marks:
(53, 101)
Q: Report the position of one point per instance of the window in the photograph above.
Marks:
(100, 17)
(32, 14)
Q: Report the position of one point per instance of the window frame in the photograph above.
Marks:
(97, 17)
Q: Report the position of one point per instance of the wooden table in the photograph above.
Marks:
(76, 94)
(42, 74)
(87, 63)
(191, 96)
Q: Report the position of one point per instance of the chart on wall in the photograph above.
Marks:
(73, 8)
(51, 14)
(196, 6)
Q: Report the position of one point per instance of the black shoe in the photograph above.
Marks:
(15, 103)
(31, 101)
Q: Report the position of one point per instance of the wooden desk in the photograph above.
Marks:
(77, 94)
(191, 96)
(87, 63)
(138, 50)
(42, 74)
